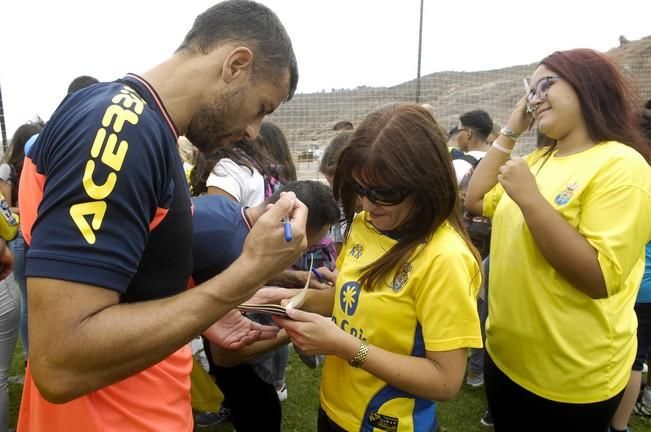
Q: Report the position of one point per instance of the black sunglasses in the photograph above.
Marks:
(382, 196)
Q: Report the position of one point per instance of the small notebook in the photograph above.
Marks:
(273, 309)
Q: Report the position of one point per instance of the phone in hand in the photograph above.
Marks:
(530, 108)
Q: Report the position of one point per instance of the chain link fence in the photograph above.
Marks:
(307, 119)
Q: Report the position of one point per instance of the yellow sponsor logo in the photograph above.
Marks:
(110, 151)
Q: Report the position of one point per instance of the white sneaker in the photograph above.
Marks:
(282, 393)
(475, 379)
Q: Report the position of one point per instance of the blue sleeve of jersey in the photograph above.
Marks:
(30, 142)
(219, 233)
(103, 159)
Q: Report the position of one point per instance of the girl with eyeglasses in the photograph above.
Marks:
(403, 304)
(570, 222)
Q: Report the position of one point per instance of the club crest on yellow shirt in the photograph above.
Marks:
(401, 278)
(349, 297)
(567, 194)
(357, 250)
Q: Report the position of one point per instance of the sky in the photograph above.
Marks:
(338, 43)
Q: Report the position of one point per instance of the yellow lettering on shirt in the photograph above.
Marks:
(100, 136)
(118, 116)
(113, 156)
(128, 99)
(110, 156)
(126, 108)
(93, 190)
(345, 326)
(78, 212)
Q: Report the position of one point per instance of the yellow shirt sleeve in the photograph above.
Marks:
(615, 215)
(446, 300)
(491, 199)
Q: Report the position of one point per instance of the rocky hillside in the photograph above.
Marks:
(308, 118)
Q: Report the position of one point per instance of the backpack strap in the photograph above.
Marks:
(470, 159)
(458, 154)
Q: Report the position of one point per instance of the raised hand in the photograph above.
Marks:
(520, 120)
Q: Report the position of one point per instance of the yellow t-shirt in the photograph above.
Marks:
(430, 305)
(543, 333)
(8, 221)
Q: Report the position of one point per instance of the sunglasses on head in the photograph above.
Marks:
(382, 196)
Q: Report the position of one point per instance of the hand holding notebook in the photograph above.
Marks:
(273, 309)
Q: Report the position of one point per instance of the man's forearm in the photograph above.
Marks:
(119, 340)
(82, 339)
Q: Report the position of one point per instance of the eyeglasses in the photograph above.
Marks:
(542, 88)
(382, 196)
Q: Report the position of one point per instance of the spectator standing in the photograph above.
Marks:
(106, 211)
(9, 307)
(471, 135)
(397, 324)
(566, 256)
(634, 399)
(248, 376)
(10, 171)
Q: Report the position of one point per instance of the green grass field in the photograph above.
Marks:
(299, 410)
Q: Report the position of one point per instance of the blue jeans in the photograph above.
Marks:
(9, 317)
(17, 247)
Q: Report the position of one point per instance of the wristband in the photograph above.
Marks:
(508, 132)
(503, 149)
(359, 358)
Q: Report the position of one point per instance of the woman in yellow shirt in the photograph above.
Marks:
(403, 306)
(567, 251)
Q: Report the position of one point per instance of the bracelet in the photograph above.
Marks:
(509, 133)
(503, 149)
(359, 358)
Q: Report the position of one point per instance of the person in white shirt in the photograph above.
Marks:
(472, 132)
(237, 171)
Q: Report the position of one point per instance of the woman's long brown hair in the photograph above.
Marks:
(402, 146)
(609, 103)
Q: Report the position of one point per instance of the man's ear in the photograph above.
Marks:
(237, 64)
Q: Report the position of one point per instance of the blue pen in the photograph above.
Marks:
(288, 229)
(318, 275)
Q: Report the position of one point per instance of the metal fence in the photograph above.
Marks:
(307, 119)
